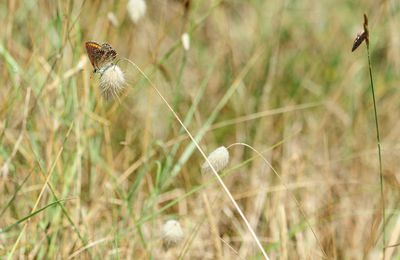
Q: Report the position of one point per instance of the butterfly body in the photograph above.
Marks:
(101, 56)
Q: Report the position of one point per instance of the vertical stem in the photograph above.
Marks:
(379, 155)
(221, 182)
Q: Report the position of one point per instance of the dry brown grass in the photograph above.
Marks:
(277, 75)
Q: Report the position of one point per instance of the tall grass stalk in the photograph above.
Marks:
(358, 41)
(378, 139)
(221, 182)
(43, 189)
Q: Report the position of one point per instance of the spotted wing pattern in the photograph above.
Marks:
(101, 56)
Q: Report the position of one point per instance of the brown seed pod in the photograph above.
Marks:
(362, 36)
(366, 31)
(357, 42)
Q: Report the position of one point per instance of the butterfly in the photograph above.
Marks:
(101, 56)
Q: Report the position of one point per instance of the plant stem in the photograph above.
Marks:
(221, 182)
(378, 138)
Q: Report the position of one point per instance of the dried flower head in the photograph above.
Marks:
(185, 41)
(171, 233)
(112, 81)
(362, 36)
(357, 42)
(136, 9)
(219, 159)
(366, 31)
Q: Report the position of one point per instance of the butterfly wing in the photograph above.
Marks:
(94, 52)
(108, 55)
(101, 56)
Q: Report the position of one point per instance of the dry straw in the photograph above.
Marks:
(214, 171)
(286, 187)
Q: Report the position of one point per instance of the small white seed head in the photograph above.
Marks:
(185, 41)
(171, 233)
(113, 19)
(112, 81)
(219, 159)
(136, 9)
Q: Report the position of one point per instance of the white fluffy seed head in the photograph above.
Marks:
(136, 9)
(113, 19)
(185, 41)
(112, 81)
(219, 159)
(171, 233)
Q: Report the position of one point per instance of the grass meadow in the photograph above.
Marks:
(273, 81)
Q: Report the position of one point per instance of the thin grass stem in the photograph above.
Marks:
(284, 184)
(221, 182)
(378, 139)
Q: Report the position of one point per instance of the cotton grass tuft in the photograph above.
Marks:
(113, 19)
(112, 82)
(185, 41)
(136, 9)
(171, 233)
(219, 159)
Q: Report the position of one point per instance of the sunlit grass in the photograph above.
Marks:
(82, 177)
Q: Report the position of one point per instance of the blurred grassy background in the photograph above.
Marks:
(277, 75)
